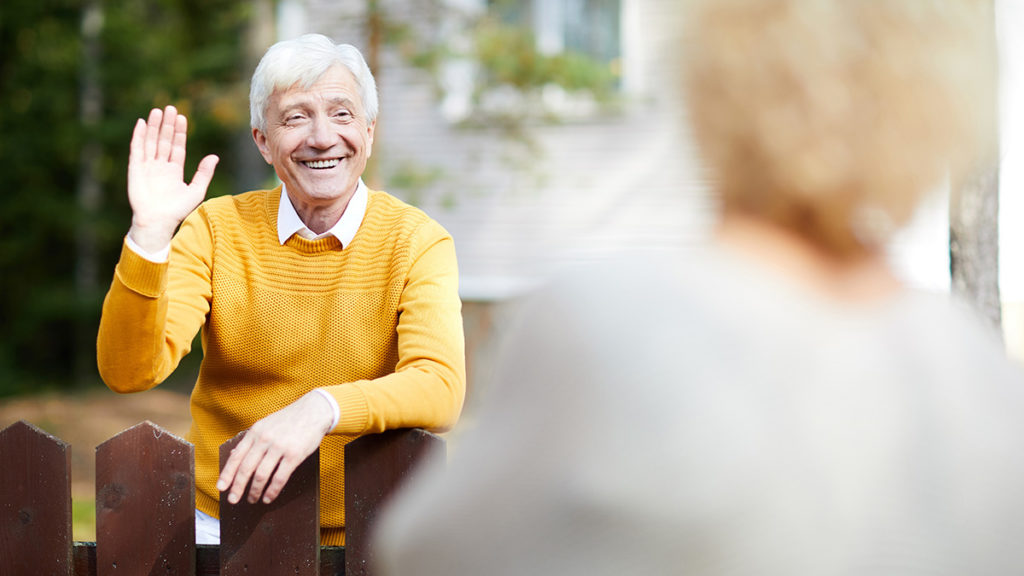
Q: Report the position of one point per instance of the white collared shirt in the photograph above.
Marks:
(289, 223)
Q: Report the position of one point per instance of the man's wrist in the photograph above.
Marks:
(151, 239)
(158, 257)
(335, 409)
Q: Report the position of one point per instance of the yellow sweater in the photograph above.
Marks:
(378, 324)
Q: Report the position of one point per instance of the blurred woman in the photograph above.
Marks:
(778, 403)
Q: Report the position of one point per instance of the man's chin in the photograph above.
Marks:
(323, 191)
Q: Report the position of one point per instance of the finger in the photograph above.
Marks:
(204, 173)
(178, 143)
(244, 474)
(165, 143)
(156, 115)
(227, 474)
(262, 474)
(137, 149)
(281, 476)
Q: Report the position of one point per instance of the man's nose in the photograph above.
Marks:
(322, 134)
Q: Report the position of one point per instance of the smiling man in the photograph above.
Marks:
(328, 310)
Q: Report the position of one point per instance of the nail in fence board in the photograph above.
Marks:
(145, 503)
(375, 466)
(280, 538)
(35, 502)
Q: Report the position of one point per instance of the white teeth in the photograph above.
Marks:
(322, 163)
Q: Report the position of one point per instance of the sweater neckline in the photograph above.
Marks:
(325, 244)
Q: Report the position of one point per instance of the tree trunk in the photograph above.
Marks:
(974, 209)
(251, 170)
(374, 35)
(89, 194)
(974, 242)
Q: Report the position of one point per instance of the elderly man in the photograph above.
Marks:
(328, 310)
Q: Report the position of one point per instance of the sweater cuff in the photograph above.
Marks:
(141, 275)
(355, 413)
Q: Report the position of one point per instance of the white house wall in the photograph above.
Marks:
(599, 186)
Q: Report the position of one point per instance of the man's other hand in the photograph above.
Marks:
(274, 447)
(157, 192)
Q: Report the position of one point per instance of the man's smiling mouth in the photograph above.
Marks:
(322, 164)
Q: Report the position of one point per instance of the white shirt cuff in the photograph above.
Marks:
(334, 405)
(158, 257)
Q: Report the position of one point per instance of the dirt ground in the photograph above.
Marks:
(87, 419)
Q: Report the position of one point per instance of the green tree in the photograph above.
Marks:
(74, 76)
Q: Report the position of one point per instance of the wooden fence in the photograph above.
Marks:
(145, 508)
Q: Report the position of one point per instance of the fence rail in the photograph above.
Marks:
(145, 508)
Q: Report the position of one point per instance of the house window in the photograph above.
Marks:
(537, 59)
(589, 27)
(586, 27)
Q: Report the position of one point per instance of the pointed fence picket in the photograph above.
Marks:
(375, 467)
(145, 511)
(145, 506)
(280, 538)
(35, 502)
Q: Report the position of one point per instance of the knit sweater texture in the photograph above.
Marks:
(377, 324)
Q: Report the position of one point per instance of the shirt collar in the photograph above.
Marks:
(289, 223)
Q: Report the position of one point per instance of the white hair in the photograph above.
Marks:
(303, 61)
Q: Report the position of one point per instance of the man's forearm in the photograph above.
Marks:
(135, 348)
(429, 383)
(130, 324)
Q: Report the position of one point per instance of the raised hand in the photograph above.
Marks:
(159, 197)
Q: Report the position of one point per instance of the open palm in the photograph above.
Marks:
(159, 197)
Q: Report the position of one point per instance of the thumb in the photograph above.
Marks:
(204, 173)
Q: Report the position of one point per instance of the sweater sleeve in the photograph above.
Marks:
(428, 386)
(153, 311)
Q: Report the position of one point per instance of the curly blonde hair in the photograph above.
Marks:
(833, 117)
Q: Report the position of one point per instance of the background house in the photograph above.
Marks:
(604, 177)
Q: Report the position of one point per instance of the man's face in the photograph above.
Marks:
(318, 139)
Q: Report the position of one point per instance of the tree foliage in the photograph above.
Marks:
(150, 53)
(512, 80)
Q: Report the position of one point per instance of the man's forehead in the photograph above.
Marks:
(336, 85)
(326, 96)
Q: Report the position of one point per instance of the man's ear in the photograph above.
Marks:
(261, 143)
(369, 138)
